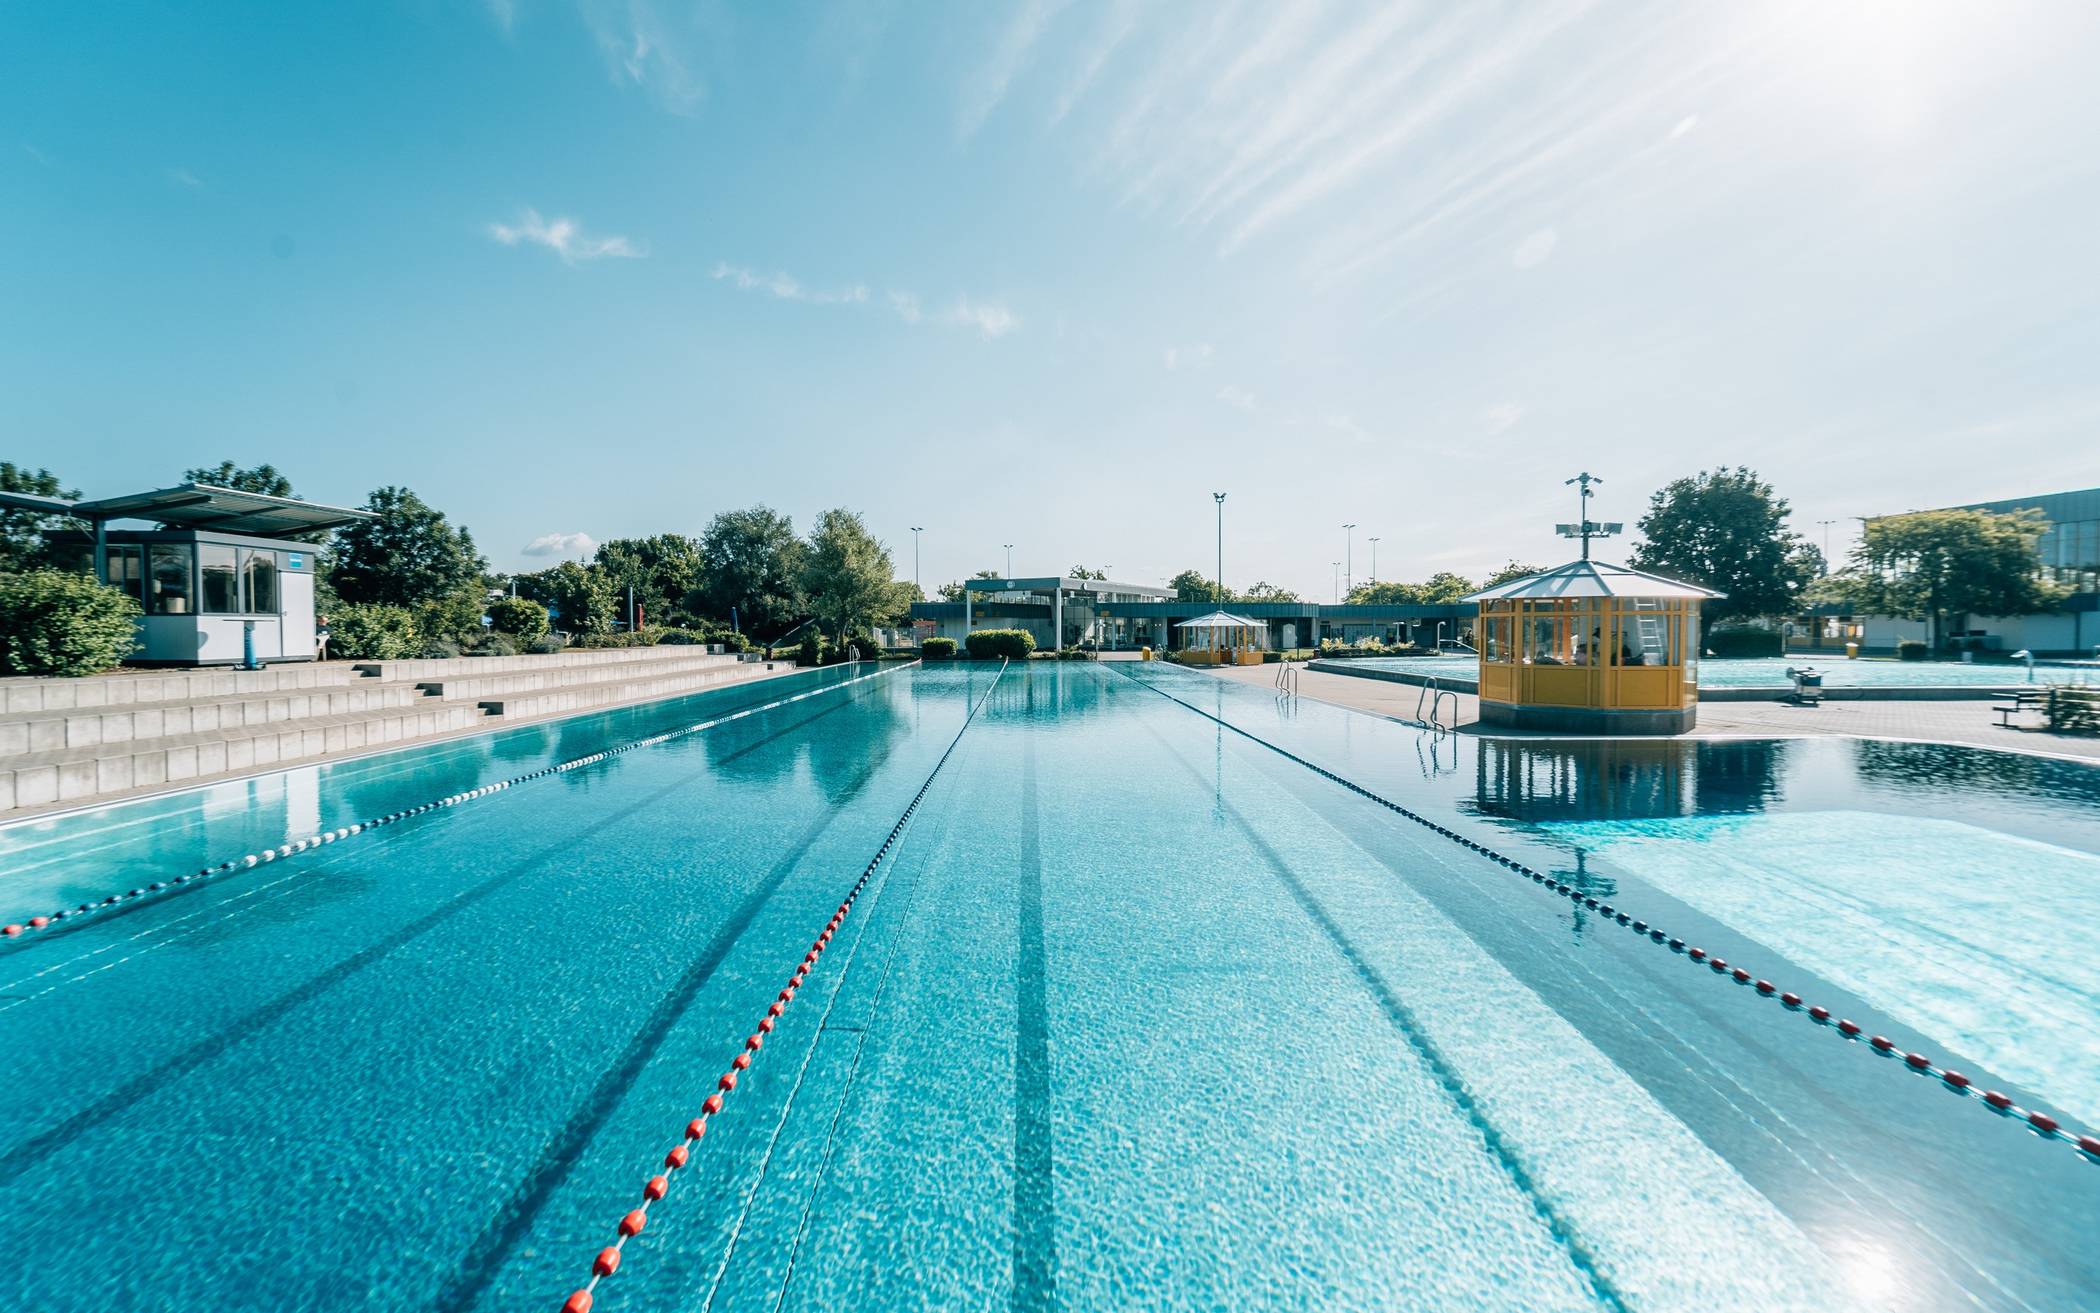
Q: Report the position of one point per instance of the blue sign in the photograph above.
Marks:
(297, 560)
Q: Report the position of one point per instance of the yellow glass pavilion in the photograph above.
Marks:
(1223, 639)
(1590, 647)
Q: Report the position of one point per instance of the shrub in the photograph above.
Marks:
(372, 631)
(1912, 649)
(1745, 642)
(680, 638)
(988, 644)
(519, 617)
(497, 644)
(938, 649)
(56, 622)
(866, 644)
(439, 649)
(547, 644)
(811, 653)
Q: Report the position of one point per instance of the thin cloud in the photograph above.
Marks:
(907, 307)
(566, 238)
(641, 51)
(786, 287)
(1499, 417)
(1533, 250)
(1237, 397)
(989, 85)
(184, 178)
(36, 154)
(990, 320)
(1192, 357)
(561, 544)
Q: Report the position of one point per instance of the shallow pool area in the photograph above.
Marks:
(1770, 672)
(1151, 991)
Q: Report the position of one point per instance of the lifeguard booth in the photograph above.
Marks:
(220, 581)
(1590, 648)
(1223, 639)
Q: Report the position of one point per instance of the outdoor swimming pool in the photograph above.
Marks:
(1137, 1012)
(1770, 672)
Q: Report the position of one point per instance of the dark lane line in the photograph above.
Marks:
(1035, 1203)
(1409, 1027)
(513, 1219)
(28, 1152)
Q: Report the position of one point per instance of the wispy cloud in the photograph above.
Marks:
(1533, 250)
(1499, 417)
(560, 544)
(988, 86)
(1236, 396)
(505, 12)
(184, 178)
(642, 49)
(566, 238)
(1195, 356)
(987, 318)
(36, 154)
(786, 287)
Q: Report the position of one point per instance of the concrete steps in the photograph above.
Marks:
(73, 741)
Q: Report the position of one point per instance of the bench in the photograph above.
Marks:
(2024, 699)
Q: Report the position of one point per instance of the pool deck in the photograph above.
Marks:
(1967, 722)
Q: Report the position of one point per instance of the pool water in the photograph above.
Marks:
(1139, 1013)
(1770, 672)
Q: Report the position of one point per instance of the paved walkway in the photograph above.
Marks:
(1970, 722)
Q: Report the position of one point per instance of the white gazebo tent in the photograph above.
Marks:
(1223, 639)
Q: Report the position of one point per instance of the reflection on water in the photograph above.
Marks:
(1946, 765)
(1600, 779)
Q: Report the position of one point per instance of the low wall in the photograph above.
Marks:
(1943, 693)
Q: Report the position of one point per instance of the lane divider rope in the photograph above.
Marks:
(2085, 1144)
(653, 1191)
(247, 861)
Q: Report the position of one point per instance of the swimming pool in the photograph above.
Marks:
(1137, 1012)
(1770, 672)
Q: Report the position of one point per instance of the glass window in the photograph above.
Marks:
(215, 566)
(1496, 639)
(1542, 646)
(259, 580)
(125, 568)
(168, 579)
(1644, 634)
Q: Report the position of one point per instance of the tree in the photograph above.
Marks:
(1191, 586)
(406, 556)
(1513, 570)
(1725, 529)
(1439, 589)
(262, 479)
(663, 570)
(520, 617)
(847, 574)
(22, 542)
(1081, 572)
(56, 622)
(1938, 564)
(750, 561)
(579, 596)
(1268, 592)
(953, 591)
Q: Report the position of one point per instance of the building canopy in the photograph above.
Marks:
(202, 506)
(1589, 579)
(1222, 620)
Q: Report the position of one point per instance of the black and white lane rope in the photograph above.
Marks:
(2083, 1143)
(15, 931)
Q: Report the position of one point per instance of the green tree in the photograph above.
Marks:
(1726, 529)
(1513, 570)
(22, 542)
(56, 622)
(1939, 564)
(262, 479)
(750, 560)
(408, 555)
(1268, 592)
(520, 617)
(1439, 589)
(1191, 586)
(1081, 572)
(953, 592)
(847, 574)
(664, 571)
(579, 596)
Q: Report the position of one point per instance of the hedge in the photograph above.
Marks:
(1735, 643)
(1912, 649)
(372, 632)
(937, 649)
(57, 622)
(1013, 644)
(520, 617)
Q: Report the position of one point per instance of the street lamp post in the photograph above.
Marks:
(1219, 582)
(1374, 560)
(1009, 560)
(1826, 543)
(1349, 556)
(916, 530)
(1337, 583)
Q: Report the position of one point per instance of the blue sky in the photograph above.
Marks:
(1051, 273)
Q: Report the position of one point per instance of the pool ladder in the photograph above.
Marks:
(1434, 693)
(1286, 679)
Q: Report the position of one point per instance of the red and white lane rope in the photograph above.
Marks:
(2085, 1144)
(248, 861)
(656, 1187)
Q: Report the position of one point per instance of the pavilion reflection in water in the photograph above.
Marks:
(1540, 782)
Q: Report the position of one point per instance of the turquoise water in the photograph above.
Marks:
(1770, 672)
(1139, 1014)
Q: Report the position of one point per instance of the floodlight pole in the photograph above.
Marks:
(1337, 583)
(1374, 560)
(1009, 560)
(1219, 582)
(916, 530)
(1349, 556)
(1583, 503)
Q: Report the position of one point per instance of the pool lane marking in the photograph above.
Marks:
(2085, 1144)
(19, 1158)
(248, 861)
(227, 906)
(1415, 1036)
(1035, 1204)
(608, 1260)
